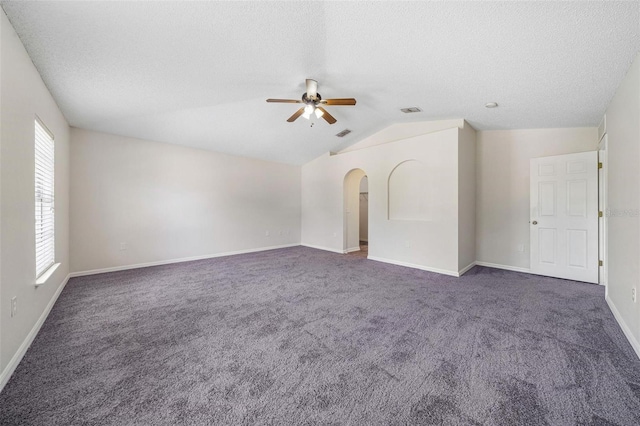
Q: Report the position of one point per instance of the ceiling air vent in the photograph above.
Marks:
(343, 133)
(410, 110)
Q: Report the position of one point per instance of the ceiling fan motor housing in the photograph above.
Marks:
(310, 101)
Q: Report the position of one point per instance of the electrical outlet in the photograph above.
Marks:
(14, 306)
(266, 233)
(633, 294)
(520, 248)
(123, 246)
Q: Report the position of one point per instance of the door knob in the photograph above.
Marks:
(535, 222)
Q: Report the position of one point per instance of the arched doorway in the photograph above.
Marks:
(352, 209)
(364, 216)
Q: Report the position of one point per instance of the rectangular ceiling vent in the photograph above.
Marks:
(410, 110)
(343, 133)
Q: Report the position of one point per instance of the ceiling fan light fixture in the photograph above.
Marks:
(319, 112)
(309, 109)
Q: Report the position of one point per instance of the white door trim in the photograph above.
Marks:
(603, 206)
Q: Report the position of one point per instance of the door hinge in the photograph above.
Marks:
(600, 214)
(599, 165)
(599, 262)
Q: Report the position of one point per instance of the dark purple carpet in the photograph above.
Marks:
(304, 337)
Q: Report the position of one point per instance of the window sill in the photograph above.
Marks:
(42, 279)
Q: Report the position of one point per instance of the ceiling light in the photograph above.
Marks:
(491, 105)
(319, 112)
(410, 110)
(308, 110)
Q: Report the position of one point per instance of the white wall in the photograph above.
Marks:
(169, 202)
(623, 155)
(400, 131)
(429, 244)
(23, 96)
(466, 197)
(502, 204)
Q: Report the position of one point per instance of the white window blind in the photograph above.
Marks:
(44, 161)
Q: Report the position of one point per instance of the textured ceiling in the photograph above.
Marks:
(198, 73)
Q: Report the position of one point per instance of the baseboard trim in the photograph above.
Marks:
(466, 268)
(323, 248)
(179, 260)
(623, 325)
(505, 267)
(413, 265)
(17, 357)
(352, 249)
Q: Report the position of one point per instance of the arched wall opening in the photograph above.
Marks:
(351, 238)
(410, 192)
(364, 212)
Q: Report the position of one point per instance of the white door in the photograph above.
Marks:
(564, 216)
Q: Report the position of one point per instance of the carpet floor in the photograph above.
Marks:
(299, 336)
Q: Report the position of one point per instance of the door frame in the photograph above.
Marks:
(603, 222)
(351, 208)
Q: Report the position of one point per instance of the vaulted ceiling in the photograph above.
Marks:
(198, 73)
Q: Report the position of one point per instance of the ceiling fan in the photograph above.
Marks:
(313, 103)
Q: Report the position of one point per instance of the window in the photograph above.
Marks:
(44, 190)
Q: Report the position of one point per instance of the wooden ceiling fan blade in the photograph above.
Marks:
(312, 88)
(295, 115)
(341, 101)
(330, 119)
(286, 101)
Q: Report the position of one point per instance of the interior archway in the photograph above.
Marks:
(351, 210)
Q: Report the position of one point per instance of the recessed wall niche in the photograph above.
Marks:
(409, 192)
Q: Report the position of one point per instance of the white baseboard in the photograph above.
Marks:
(413, 265)
(323, 248)
(170, 261)
(623, 325)
(17, 357)
(505, 267)
(352, 249)
(462, 271)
